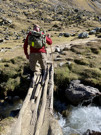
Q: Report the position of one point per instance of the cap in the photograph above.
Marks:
(36, 25)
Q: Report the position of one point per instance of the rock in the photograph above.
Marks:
(99, 18)
(98, 35)
(66, 35)
(77, 92)
(1, 40)
(74, 34)
(54, 128)
(92, 32)
(76, 10)
(58, 59)
(61, 64)
(17, 37)
(92, 132)
(83, 35)
(97, 29)
(6, 21)
(14, 113)
(6, 37)
(60, 34)
(66, 48)
(57, 49)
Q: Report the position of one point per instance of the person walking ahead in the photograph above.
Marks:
(37, 40)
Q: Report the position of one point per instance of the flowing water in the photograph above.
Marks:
(10, 109)
(80, 119)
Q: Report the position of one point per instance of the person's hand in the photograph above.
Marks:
(27, 56)
(48, 35)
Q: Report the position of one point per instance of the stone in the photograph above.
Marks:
(77, 93)
(1, 40)
(92, 132)
(61, 64)
(97, 29)
(66, 48)
(60, 34)
(66, 35)
(92, 32)
(58, 59)
(76, 10)
(83, 35)
(57, 49)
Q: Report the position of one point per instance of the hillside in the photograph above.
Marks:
(20, 15)
(89, 5)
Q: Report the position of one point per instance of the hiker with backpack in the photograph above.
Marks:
(37, 40)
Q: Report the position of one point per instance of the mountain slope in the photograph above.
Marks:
(89, 5)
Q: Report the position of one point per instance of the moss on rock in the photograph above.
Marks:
(11, 76)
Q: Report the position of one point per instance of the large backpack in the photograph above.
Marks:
(37, 39)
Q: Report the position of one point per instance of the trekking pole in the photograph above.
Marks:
(52, 55)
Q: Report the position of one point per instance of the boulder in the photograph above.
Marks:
(92, 32)
(97, 29)
(92, 132)
(83, 35)
(77, 93)
(66, 35)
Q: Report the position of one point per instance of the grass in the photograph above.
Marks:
(11, 77)
(85, 66)
(59, 40)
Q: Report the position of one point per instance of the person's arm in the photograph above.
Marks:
(26, 47)
(48, 40)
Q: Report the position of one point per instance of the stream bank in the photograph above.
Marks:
(81, 62)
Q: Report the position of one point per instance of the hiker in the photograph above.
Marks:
(37, 50)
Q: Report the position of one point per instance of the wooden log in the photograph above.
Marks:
(31, 111)
(16, 130)
(42, 110)
(34, 115)
(35, 86)
(51, 90)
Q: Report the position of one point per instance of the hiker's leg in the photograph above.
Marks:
(43, 64)
(32, 61)
(43, 60)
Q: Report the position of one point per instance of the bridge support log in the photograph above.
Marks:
(36, 114)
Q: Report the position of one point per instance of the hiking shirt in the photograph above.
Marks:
(36, 50)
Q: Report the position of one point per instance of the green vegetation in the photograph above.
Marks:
(11, 76)
(85, 66)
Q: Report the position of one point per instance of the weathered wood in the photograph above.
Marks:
(38, 89)
(34, 114)
(51, 89)
(18, 126)
(42, 110)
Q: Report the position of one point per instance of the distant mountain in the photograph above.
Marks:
(89, 5)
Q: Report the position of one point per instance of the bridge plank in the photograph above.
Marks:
(43, 106)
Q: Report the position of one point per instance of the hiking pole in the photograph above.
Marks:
(52, 55)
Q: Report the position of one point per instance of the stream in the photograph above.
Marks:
(11, 107)
(80, 119)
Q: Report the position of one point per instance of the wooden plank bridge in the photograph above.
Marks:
(36, 114)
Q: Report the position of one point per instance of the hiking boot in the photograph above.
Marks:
(43, 76)
(31, 74)
(32, 82)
